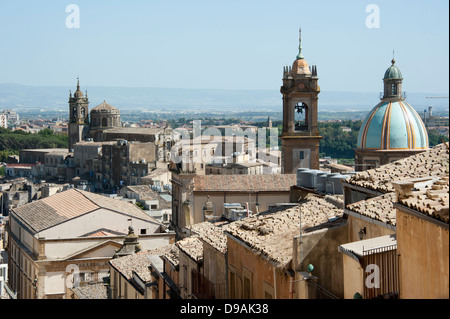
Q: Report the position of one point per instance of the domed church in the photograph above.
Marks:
(392, 130)
(104, 116)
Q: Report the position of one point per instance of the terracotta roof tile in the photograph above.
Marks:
(380, 208)
(245, 183)
(172, 254)
(271, 233)
(211, 234)
(433, 162)
(91, 291)
(432, 200)
(191, 246)
(55, 209)
(138, 263)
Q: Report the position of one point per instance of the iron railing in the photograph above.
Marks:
(385, 283)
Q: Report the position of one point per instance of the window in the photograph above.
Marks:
(85, 277)
(143, 231)
(302, 155)
(267, 291)
(185, 278)
(247, 283)
(393, 89)
(233, 293)
(234, 283)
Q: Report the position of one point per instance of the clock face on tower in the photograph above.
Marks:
(301, 86)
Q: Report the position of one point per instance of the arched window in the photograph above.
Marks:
(301, 117)
(104, 122)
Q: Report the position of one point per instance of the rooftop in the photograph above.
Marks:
(432, 162)
(60, 207)
(432, 200)
(172, 255)
(134, 130)
(145, 192)
(379, 208)
(91, 291)
(191, 246)
(138, 263)
(270, 233)
(104, 107)
(245, 183)
(211, 234)
(362, 247)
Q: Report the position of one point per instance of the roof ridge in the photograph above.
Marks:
(82, 192)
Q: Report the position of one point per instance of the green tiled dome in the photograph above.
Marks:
(393, 72)
(393, 125)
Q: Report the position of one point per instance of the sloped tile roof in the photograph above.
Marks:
(172, 255)
(211, 234)
(432, 200)
(433, 162)
(91, 291)
(271, 233)
(60, 207)
(245, 183)
(138, 263)
(379, 208)
(191, 246)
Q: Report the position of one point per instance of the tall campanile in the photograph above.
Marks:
(78, 117)
(300, 135)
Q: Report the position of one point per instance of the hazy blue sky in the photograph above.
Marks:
(224, 44)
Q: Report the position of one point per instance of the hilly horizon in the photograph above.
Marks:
(55, 98)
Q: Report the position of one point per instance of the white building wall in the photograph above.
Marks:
(54, 283)
(101, 218)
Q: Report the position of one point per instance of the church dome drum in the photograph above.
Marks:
(105, 115)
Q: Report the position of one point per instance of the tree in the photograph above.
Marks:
(435, 138)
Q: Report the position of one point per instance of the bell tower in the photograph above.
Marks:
(78, 116)
(300, 135)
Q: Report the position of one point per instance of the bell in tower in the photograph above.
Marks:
(300, 135)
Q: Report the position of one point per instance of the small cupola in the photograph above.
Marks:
(393, 83)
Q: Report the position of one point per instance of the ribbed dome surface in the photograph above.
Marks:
(393, 126)
(393, 72)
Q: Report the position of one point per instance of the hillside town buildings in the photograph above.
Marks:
(72, 229)
(144, 213)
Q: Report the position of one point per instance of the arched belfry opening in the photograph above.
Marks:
(301, 117)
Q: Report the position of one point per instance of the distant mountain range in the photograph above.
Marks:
(54, 98)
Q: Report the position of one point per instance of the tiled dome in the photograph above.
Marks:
(393, 125)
